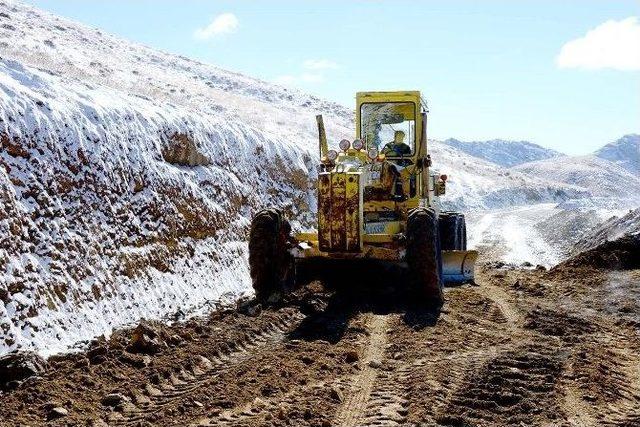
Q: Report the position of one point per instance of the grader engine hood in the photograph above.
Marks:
(340, 198)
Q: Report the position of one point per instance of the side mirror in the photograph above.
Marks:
(424, 162)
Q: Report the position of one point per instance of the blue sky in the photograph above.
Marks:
(488, 69)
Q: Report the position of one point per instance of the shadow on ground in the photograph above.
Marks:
(330, 297)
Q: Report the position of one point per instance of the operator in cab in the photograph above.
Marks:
(397, 147)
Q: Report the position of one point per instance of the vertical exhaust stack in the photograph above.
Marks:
(322, 136)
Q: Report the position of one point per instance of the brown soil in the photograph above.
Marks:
(524, 347)
(621, 254)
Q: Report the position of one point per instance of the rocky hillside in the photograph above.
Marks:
(127, 177)
(504, 153)
(625, 152)
(612, 229)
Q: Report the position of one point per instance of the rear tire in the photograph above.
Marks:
(424, 256)
(270, 264)
(463, 232)
(453, 231)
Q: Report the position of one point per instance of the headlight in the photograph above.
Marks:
(332, 155)
(344, 144)
(357, 144)
(372, 153)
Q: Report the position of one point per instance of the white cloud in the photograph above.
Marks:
(312, 71)
(311, 77)
(297, 80)
(225, 23)
(612, 44)
(319, 64)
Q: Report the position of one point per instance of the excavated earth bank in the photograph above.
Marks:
(522, 347)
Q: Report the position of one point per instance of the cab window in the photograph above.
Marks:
(389, 126)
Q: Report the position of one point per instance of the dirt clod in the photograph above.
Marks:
(57, 412)
(337, 394)
(15, 367)
(147, 338)
(114, 399)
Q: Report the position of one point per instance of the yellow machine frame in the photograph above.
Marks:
(342, 233)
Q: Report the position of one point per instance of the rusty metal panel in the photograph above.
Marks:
(352, 212)
(339, 212)
(338, 208)
(324, 211)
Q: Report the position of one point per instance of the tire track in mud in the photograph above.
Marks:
(183, 383)
(352, 411)
(385, 398)
(605, 380)
(260, 409)
(501, 299)
(509, 387)
(388, 403)
(486, 321)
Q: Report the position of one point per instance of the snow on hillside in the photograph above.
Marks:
(512, 235)
(624, 152)
(599, 177)
(476, 184)
(504, 153)
(572, 218)
(102, 222)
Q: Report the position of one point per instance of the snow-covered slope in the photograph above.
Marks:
(598, 176)
(476, 184)
(504, 153)
(100, 223)
(624, 152)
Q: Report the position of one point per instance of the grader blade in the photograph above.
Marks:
(458, 266)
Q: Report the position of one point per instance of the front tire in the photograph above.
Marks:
(424, 256)
(270, 263)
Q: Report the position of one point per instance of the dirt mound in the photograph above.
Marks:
(620, 254)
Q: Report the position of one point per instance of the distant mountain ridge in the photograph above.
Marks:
(625, 152)
(600, 177)
(504, 153)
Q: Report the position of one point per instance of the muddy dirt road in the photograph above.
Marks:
(524, 347)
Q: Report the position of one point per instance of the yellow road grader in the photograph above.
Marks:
(376, 200)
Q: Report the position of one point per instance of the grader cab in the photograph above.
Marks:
(376, 200)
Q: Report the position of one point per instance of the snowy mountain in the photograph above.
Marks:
(504, 153)
(476, 184)
(128, 178)
(624, 152)
(600, 177)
